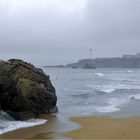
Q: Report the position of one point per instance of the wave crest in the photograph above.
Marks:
(99, 74)
(10, 125)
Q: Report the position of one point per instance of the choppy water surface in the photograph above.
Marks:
(114, 92)
(97, 92)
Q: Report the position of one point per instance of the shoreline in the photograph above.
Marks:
(52, 129)
(106, 128)
(43, 131)
(91, 127)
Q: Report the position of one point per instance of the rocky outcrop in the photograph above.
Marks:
(25, 91)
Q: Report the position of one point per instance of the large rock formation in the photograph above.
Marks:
(25, 91)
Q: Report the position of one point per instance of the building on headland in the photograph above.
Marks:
(137, 55)
(128, 56)
(126, 61)
(84, 63)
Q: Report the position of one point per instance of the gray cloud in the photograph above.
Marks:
(46, 32)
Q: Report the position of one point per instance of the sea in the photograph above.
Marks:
(94, 92)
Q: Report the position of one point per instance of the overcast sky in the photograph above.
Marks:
(49, 32)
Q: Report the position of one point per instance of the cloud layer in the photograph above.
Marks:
(60, 31)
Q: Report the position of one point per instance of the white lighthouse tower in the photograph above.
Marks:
(90, 54)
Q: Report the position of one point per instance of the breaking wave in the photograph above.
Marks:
(134, 97)
(99, 74)
(8, 124)
(113, 105)
(110, 88)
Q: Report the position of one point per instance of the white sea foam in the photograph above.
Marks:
(106, 88)
(113, 105)
(103, 88)
(117, 101)
(129, 71)
(106, 109)
(7, 126)
(110, 88)
(99, 74)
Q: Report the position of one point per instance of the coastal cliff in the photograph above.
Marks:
(25, 91)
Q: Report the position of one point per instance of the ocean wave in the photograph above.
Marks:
(99, 74)
(113, 105)
(106, 109)
(134, 97)
(11, 125)
(78, 90)
(5, 116)
(102, 88)
(129, 71)
(117, 101)
(110, 88)
(84, 95)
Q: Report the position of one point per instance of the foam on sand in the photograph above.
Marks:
(7, 126)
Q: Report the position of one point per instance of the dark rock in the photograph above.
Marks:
(25, 89)
(54, 110)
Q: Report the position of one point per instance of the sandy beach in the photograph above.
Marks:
(106, 128)
(91, 128)
(49, 130)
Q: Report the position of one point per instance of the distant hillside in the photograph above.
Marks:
(118, 62)
(126, 61)
(84, 64)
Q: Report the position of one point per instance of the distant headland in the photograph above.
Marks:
(126, 61)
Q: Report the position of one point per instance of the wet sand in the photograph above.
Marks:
(106, 128)
(91, 128)
(49, 130)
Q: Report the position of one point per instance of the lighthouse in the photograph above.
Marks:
(90, 50)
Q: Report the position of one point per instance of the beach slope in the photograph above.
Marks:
(106, 128)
